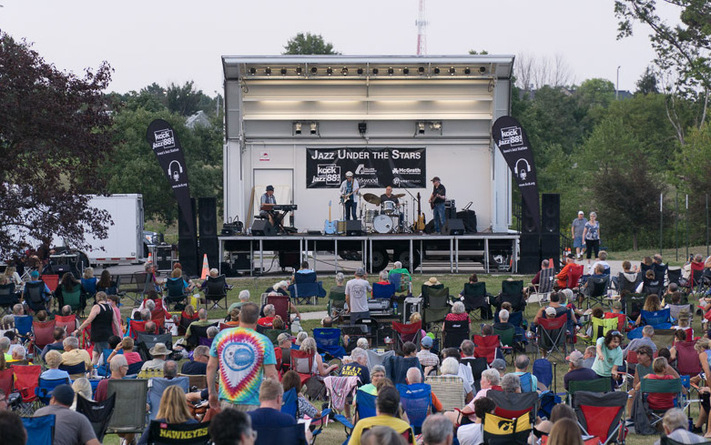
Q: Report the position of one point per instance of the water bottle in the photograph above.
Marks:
(394, 307)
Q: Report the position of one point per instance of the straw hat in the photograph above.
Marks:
(433, 281)
(159, 349)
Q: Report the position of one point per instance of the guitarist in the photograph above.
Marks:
(349, 195)
(439, 195)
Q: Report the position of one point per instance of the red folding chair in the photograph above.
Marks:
(303, 363)
(407, 332)
(135, 326)
(486, 347)
(574, 276)
(6, 377)
(68, 322)
(43, 334)
(52, 281)
(26, 380)
(687, 359)
(281, 306)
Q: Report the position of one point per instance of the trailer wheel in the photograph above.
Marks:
(380, 260)
(404, 257)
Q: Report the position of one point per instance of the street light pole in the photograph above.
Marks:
(617, 87)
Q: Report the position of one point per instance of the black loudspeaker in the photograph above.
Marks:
(289, 259)
(187, 244)
(163, 256)
(262, 227)
(550, 213)
(469, 218)
(450, 209)
(550, 248)
(530, 253)
(209, 245)
(528, 224)
(454, 226)
(354, 227)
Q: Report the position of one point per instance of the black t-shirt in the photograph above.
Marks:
(439, 190)
(357, 370)
(392, 198)
(580, 374)
(194, 368)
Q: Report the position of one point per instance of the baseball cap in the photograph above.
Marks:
(550, 311)
(426, 342)
(574, 356)
(64, 394)
(349, 174)
(270, 188)
(498, 364)
(581, 212)
(360, 272)
(436, 178)
(34, 274)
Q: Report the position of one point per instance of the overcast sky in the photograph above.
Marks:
(175, 41)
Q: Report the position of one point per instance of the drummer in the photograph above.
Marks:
(388, 196)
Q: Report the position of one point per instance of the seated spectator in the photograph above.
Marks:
(292, 380)
(380, 435)
(233, 316)
(159, 353)
(522, 363)
(269, 414)
(267, 320)
(198, 365)
(473, 433)
(537, 279)
(358, 367)
(425, 356)
(675, 427)
(5, 348)
(647, 335)
(319, 367)
(608, 355)
(565, 432)
(214, 273)
(376, 374)
(589, 356)
(576, 370)
(450, 367)
(598, 272)
(72, 356)
(651, 304)
(70, 426)
(173, 409)
(232, 427)
(511, 383)
(243, 298)
(642, 369)
(433, 281)
(437, 430)
(387, 409)
(280, 288)
(59, 334)
(202, 321)
(383, 275)
(284, 343)
(564, 274)
(398, 269)
(659, 401)
(170, 369)
(499, 364)
(490, 381)
(81, 387)
(503, 323)
(679, 336)
(458, 313)
(414, 377)
(119, 368)
(559, 309)
(19, 354)
(126, 347)
(601, 261)
(53, 360)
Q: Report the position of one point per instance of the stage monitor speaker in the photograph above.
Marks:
(528, 224)
(187, 244)
(289, 259)
(550, 213)
(209, 245)
(354, 227)
(262, 227)
(454, 226)
(450, 209)
(469, 218)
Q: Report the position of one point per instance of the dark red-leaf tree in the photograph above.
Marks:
(54, 134)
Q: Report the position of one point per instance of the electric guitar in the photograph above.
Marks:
(420, 224)
(346, 197)
(329, 227)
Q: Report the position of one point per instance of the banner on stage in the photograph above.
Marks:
(165, 145)
(372, 167)
(512, 140)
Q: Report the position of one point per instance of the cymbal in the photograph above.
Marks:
(372, 199)
(399, 195)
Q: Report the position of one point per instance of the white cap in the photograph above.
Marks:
(581, 213)
(349, 174)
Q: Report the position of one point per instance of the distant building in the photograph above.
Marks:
(198, 119)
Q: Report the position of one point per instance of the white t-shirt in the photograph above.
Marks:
(471, 434)
(358, 290)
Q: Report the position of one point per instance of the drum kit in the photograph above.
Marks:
(386, 216)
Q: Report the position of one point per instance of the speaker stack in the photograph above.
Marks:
(208, 230)
(454, 226)
(550, 228)
(530, 248)
(262, 227)
(354, 227)
(187, 243)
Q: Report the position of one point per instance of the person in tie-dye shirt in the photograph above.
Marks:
(243, 357)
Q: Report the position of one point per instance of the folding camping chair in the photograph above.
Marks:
(416, 400)
(51, 280)
(198, 334)
(599, 328)
(216, 291)
(23, 325)
(687, 359)
(306, 287)
(396, 367)
(576, 272)
(281, 306)
(542, 369)
(40, 430)
(675, 309)
(601, 414)
(377, 358)
(622, 325)
(454, 333)
(591, 386)
(33, 295)
(8, 297)
(130, 408)
(436, 305)
(185, 321)
(513, 405)
(512, 292)
(503, 431)
(449, 389)
(475, 297)
(506, 337)
(43, 334)
(273, 334)
(6, 378)
(161, 433)
(328, 342)
(175, 291)
(659, 319)
(551, 336)
(596, 290)
(674, 275)
(45, 387)
(73, 298)
(405, 332)
(652, 386)
(290, 403)
(517, 320)
(157, 387)
(633, 306)
(628, 282)
(27, 381)
(145, 342)
(68, 322)
(136, 326)
(98, 413)
(543, 289)
(486, 347)
(383, 291)
(477, 365)
(336, 304)
(302, 362)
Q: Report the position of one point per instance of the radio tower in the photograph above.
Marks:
(421, 30)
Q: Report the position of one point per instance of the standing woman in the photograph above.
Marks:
(609, 356)
(591, 236)
(103, 322)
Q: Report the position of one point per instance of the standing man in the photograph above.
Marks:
(576, 230)
(244, 358)
(265, 204)
(349, 195)
(439, 195)
(357, 291)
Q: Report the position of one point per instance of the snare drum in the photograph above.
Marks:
(388, 207)
(370, 215)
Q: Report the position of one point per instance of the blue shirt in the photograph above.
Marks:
(270, 418)
(54, 374)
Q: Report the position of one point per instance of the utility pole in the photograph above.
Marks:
(617, 86)
(421, 30)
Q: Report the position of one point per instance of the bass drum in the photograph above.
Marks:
(383, 224)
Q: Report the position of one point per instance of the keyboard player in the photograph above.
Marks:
(267, 202)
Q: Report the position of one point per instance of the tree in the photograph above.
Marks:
(183, 100)
(54, 137)
(308, 44)
(692, 164)
(648, 82)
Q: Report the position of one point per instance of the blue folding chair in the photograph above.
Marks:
(79, 368)
(383, 291)
(45, 388)
(290, 403)
(23, 325)
(416, 400)
(40, 430)
(657, 319)
(158, 386)
(327, 342)
(543, 370)
(365, 404)
(306, 287)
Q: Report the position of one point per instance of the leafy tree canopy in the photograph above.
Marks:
(308, 44)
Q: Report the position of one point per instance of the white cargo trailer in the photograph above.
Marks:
(124, 244)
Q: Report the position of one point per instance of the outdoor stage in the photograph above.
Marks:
(495, 252)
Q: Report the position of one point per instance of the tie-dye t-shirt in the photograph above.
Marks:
(242, 354)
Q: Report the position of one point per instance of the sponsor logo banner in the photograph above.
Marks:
(372, 167)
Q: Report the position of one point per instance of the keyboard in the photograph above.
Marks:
(284, 207)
